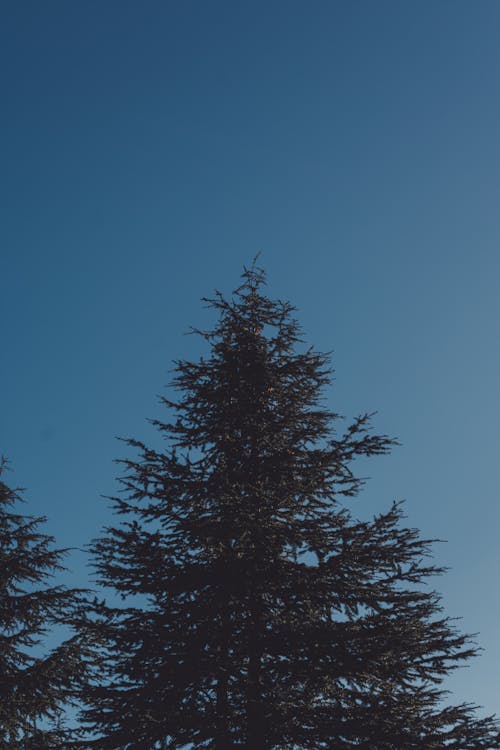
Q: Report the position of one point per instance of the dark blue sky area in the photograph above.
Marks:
(150, 149)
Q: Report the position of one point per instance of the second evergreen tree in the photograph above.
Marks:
(37, 684)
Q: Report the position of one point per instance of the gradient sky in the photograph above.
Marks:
(150, 149)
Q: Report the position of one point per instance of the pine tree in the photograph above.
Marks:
(258, 612)
(35, 689)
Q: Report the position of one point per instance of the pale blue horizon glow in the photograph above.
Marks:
(151, 149)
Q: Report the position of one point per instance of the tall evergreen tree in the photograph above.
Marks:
(35, 689)
(258, 612)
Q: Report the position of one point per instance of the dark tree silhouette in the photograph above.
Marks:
(35, 690)
(258, 612)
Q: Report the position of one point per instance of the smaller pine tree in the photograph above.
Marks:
(35, 688)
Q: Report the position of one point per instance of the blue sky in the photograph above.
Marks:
(150, 149)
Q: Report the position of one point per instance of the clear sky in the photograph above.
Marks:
(150, 149)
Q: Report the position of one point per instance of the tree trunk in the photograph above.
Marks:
(222, 740)
(255, 717)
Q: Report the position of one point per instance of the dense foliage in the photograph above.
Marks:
(258, 613)
(35, 687)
